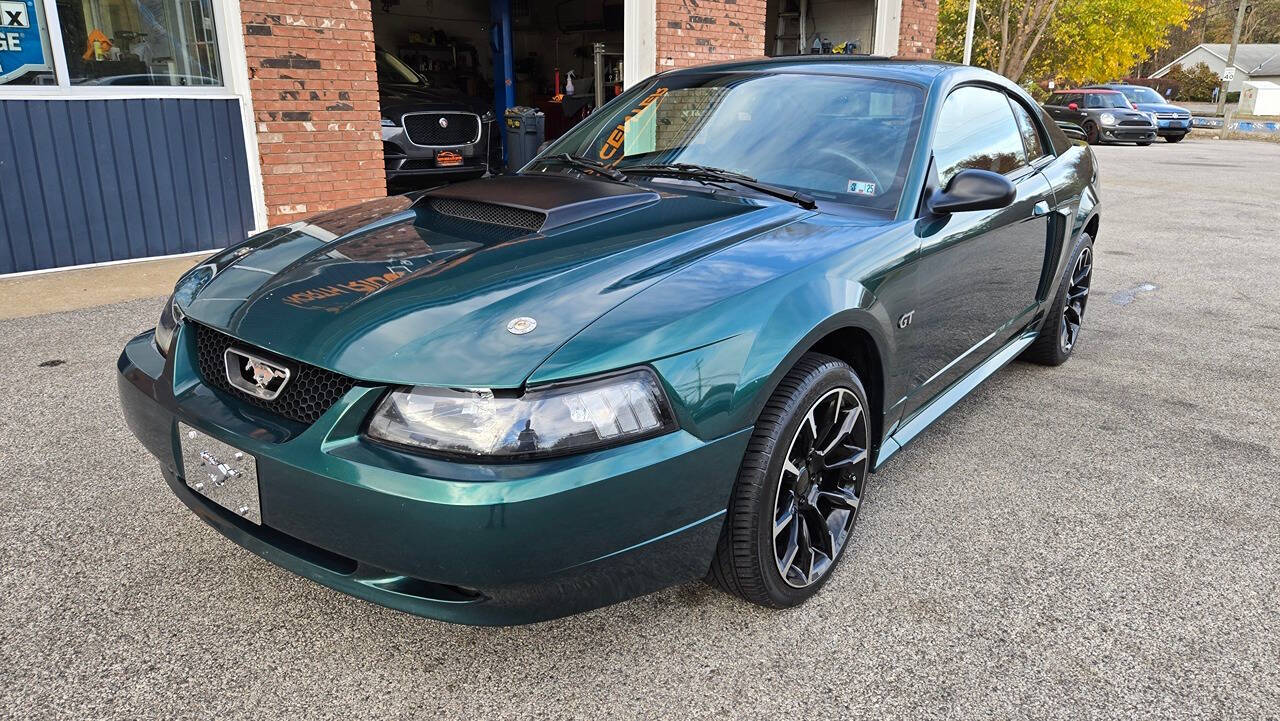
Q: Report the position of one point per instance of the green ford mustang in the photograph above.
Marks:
(672, 347)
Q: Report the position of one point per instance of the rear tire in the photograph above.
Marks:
(1060, 333)
(793, 508)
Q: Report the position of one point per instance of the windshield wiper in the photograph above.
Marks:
(705, 172)
(594, 166)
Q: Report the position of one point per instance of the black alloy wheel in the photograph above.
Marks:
(1060, 333)
(1077, 298)
(800, 488)
(820, 488)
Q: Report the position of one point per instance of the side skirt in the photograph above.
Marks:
(948, 398)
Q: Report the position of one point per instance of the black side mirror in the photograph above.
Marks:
(972, 189)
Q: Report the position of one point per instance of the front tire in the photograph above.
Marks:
(799, 489)
(1091, 133)
(1060, 333)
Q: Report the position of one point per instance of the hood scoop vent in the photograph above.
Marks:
(536, 202)
(490, 213)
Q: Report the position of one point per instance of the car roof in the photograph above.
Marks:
(919, 71)
(1100, 91)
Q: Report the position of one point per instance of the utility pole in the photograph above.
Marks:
(968, 33)
(1231, 59)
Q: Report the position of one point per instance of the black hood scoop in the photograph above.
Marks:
(491, 213)
(536, 202)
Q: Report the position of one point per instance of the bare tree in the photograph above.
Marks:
(1018, 44)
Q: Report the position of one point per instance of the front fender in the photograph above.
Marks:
(723, 332)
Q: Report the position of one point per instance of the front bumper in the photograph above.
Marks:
(1129, 134)
(1174, 128)
(482, 544)
(405, 160)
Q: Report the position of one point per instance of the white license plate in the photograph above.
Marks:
(224, 474)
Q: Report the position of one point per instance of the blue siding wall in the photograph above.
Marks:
(86, 181)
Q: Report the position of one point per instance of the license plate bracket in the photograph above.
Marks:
(220, 472)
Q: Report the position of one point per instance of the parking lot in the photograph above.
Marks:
(1095, 540)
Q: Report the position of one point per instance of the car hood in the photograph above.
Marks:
(1121, 113)
(399, 291)
(397, 100)
(1161, 108)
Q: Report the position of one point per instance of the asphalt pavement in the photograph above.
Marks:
(1096, 540)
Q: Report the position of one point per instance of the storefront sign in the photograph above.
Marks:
(23, 44)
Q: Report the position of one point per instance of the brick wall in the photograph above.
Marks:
(918, 33)
(694, 32)
(315, 102)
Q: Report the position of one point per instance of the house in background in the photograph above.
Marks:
(1258, 61)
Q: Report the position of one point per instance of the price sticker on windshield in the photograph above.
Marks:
(862, 187)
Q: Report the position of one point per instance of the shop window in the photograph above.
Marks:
(140, 42)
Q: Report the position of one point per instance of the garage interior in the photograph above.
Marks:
(566, 57)
(801, 27)
(553, 56)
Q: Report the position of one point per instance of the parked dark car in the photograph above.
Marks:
(1105, 115)
(672, 347)
(1172, 122)
(431, 135)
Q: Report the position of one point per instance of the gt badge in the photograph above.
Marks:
(256, 376)
(905, 320)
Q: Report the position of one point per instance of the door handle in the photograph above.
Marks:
(1040, 209)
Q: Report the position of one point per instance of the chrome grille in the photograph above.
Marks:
(458, 128)
(309, 392)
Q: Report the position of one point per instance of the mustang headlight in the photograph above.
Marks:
(553, 420)
(1107, 119)
(183, 293)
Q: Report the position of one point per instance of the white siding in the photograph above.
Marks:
(1216, 64)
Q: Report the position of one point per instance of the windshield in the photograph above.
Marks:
(392, 70)
(1142, 95)
(1106, 100)
(840, 139)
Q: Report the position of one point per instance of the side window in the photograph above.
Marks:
(976, 129)
(1031, 139)
(1057, 99)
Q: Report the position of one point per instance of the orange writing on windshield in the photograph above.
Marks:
(619, 134)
